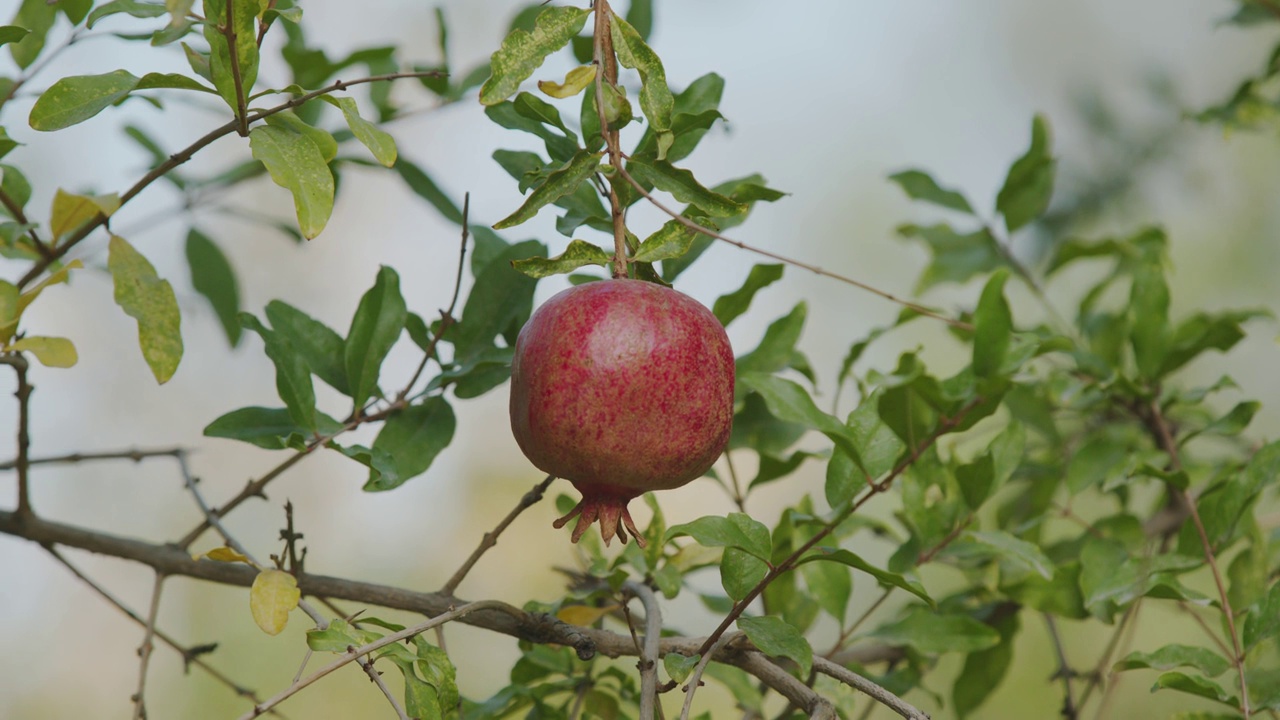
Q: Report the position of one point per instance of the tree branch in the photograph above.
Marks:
(879, 694)
(19, 364)
(491, 538)
(144, 650)
(186, 154)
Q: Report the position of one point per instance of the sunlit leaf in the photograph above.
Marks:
(55, 352)
(523, 51)
(575, 81)
(379, 143)
(273, 596)
(295, 163)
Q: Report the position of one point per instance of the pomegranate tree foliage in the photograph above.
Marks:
(1084, 409)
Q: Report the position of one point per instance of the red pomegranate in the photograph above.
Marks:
(621, 387)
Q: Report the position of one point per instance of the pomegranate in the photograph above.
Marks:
(621, 387)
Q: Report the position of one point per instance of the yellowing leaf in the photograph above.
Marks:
(50, 351)
(149, 300)
(273, 595)
(583, 615)
(10, 310)
(60, 276)
(296, 163)
(224, 554)
(70, 211)
(574, 82)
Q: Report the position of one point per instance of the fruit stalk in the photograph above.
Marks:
(607, 72)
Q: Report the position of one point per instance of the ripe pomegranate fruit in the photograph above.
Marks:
(621, 387)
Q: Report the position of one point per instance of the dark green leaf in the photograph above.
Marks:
(1149, 305)
(740, 572)
(772, 468)
(678, 666)
(1195, 685)
(12, 33)
(560, 146)
(919, 185)
(213, 277)
(932, 633)
(789, 402)
(145, 297)
(523, 51)
(1263, 621)
(878, 445)
(956, 257)
(578, 254)
(777, 638)
(268, 428)
(75, 99)
(1029, 184)
(993, 326)
(776, 348)
(38, 17)
(1016, 551)
(1174, 655)
(382, 467)
(557, 185)
(424, 187)
(843, 480)
(500, 298)
(293, 377)
(728, 307)
(853, 560)
(413, 438)
(377, 324)
(736, 530)
(983, 670)
(317, 344)
(684, 187)
(831, 585)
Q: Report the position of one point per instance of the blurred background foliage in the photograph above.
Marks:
(1163, 112)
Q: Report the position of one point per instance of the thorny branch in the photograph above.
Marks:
(490, 538)
(144, 650)
(21, 463)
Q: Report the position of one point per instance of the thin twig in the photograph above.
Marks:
(849, 631)
(23, 466)
(376, 677)
(354, 653)
(695, 678)
(922, 310)
(186, 154)
(134, 455)
(190, 656)
(446, 318)
(649, 653)
(879, 694)
(945, 425)
(44, 62)
(490, 538)
(229, 32)
(144, 651)
(1069, 709)
(15, 210)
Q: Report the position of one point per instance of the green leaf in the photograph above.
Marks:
(1149, 305)
(670, 241)
(1263, 621)
(728, 307)
(379, 143)
(268, 428)
(956, 257)
(831, 585)
(146, 298)
(339, 636)
(295, 163)
(558, 184)
(131, 7)
(55, 352)
(844, 478)
(1017, 551)
(683, 187)
(678, 666)
(213, 277)
(320, 347)
(933, 634)
(382, 467)
(737, 530)
(740, 572)
(377, 324)
(75, 99)
(424, 187)
(778, 345)
(993, 327)
(578, 254)
(243, 21)
(884, 577)
(522, 51)
(878, 445)
(7, 144)
(1174, 655)
(1097, 459)
(413, 438)
(324, 142)
(70, 211)
(12, 33)
(789, 402)
(655, 97)
(1195, 685)
(500, 299)
(1029, 184)
(37, 16)
(919, 185)
(777, 638)
(983, 670)
(293, 377)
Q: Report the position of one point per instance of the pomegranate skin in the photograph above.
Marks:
(621, 387)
